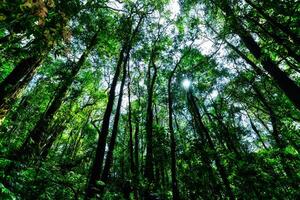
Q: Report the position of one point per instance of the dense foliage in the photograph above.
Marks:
(149, 99)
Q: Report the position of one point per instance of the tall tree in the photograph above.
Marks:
(36, 141)
(51, 31)
(288, 86)
(172, 137)
(203, 131)
(123, 59)
(167, 100)
(149, 168)
(109, 155)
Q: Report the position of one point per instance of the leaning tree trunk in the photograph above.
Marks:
(286, 30)
(279, 141)
(109, 155)
(287, 85)
(254, 128)
(13, 84)
(207, 163)
(36, 141)
(99, 157)
(290, 51)
(202, 130)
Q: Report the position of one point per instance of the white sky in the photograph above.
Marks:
(174, 8)
(114, 4)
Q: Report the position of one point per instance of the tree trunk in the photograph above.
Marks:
(12, 85)
(136, 157)
(99, 157)
(279, 141)
(203, 131)
(257, 133)
(288, 86)
(275, 24)
(290, 50)
(109, 155)
(149, 168)
(214, 185)
(175, 190)
(241, 54)
(132, 167)
(37, 139)
(98, 161)
(131, 152)
(136, 145)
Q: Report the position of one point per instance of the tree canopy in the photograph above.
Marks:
(149, 99)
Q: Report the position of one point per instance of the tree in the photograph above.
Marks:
(149, 99)
(49, 33)
(123, 59)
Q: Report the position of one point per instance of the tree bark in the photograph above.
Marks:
(109, 155)
(204, 134)
(99, 157)
(13, 84)
(276, 24)
(287, 85)
(176, 195)
(37, 139)
(149, 165)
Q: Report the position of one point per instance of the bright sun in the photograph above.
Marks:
(186, 83)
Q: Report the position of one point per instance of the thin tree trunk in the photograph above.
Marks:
(173, 148)
(214, 185)
(98, 160)
(280, 143)
(230, 141)
(49, 142)
(99, 157)
(176, 195)
(149, 166)
(131, 152)
(257, 132)
(241, 54)
(136, 145)
(202, 130)
(109, 155)
(219, 135)
(136, 156)
(290, 51)
(132, 167)
(80, 136)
